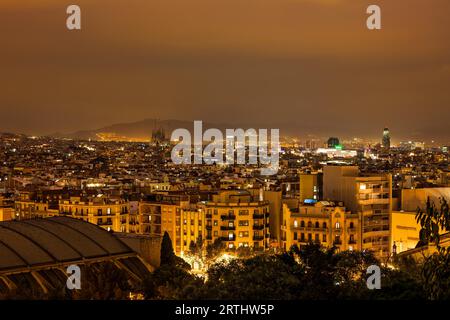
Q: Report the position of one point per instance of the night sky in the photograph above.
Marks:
(307, 65)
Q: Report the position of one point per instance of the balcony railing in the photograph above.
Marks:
(227, 239)
(227, 227)
(258, 216)
(104, 223)
(228, 217)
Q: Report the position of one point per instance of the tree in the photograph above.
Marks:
(436, 268)
(215, 249)
(167, 254)
(103, 281)
(195, 248)
(261, 277)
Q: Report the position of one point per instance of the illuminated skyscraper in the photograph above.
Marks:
(386, 141)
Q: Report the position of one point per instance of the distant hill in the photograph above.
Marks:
(141, 130)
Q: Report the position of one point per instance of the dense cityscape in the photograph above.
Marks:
(224, 159)
(124, 210)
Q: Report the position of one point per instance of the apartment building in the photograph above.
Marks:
(109, 213)
(239, 218)
(325, 222)
(368, 195)
(174, 214)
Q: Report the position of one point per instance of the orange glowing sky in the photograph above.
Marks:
(308, 65)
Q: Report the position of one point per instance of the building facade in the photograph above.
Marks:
(325, 223)
(367, 195)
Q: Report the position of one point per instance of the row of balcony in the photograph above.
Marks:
(255, 238)
(233, 216)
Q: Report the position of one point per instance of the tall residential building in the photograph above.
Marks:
(311, 186)
(239, 218)
(325, 223)
(173, 214)
(368, 195)
(386, 140)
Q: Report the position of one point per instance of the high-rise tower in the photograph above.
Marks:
(386, 141)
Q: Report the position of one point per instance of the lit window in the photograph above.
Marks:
(295, 224)
(338, 225)
(362, 186)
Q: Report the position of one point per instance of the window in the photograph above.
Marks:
(295, 224)
(243, 212)
(337, 239)
(302, 237)
(337, 225)
(243, 223)
(316, 238)
(351, 225)
(317, 225)
(324, 225)
(302, 224)
(309, 224)
(324, 238)
(309, 237)
(295, 235)
(215, 222)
